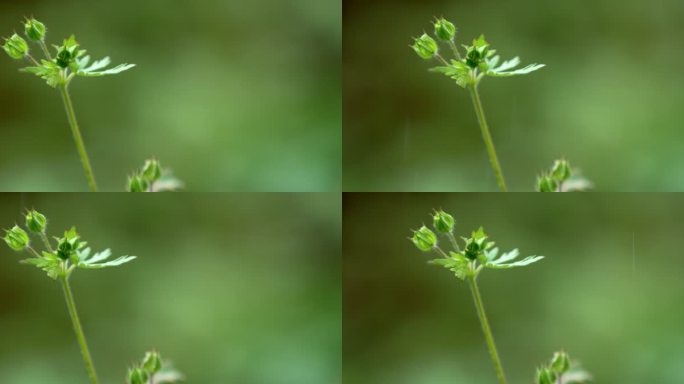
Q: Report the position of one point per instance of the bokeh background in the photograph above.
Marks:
(609, 290)
(609, 99)
(233, 288)
(233, 96)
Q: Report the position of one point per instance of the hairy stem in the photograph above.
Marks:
(487, 137)
(46, 241)
(71, 115)
(80, 336)
(486, 330)
(45, 49)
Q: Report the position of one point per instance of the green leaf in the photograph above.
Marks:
(457, 71)
(456, 263)
(503, 69)
(508, 256)
(490, 254)
(520, 263)
(503, 261)
(94, 262)
(48, 263)
(508, 64)
(112, 263)
(48, 71)
(99, 64)
(94, 70)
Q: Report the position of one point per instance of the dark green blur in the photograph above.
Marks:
(233, 288)
(609, 290)
(233, 96)
(609, 98)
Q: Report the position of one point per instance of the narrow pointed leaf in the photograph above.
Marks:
(113, 263)
(100, 256)
(97, 65)
(521, 71)
(508, 256)
(521, 263)
(112, 71)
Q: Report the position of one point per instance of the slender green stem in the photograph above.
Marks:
(487, 137)
(486, 330)
(46, 51)
(44, 237)
(455, 49)
(454, 243)
(80, 336)
(36, 254)
(69, 107)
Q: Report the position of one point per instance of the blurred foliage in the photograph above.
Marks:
(233, 96)
(608, 99)
(234, 288)
(608, 290)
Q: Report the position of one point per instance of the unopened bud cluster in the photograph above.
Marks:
(425, 239)
(148, 367)
(17, 238)
(553, 179)
(16, 47)
(554, 369)
(143, 180)
(426, 47)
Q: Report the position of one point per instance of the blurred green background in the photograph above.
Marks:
(609, 290)
(234, 288)
(609, 99)
(233, 96)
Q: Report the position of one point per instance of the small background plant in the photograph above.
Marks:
(561, 177)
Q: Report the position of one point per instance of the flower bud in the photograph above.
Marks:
(138, 376)
(424, 239)
(69, 244)
(67, 52)
(443, 222)
(35, 30)
(472, 249)
(545, 376)
(17, 238)
(445, 30)
(35, 221)
(16, 47)
(137, 183)
(561, 170)
(425, 46)
(546, 183)
(152, 362)
(560, 363)
(477, 52)
(151, 171)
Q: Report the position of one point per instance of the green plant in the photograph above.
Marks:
(467, 262)
(153, 178)
(561, 370)
(478, 61)
(58, 72)
(561, 177)
(69, 253)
